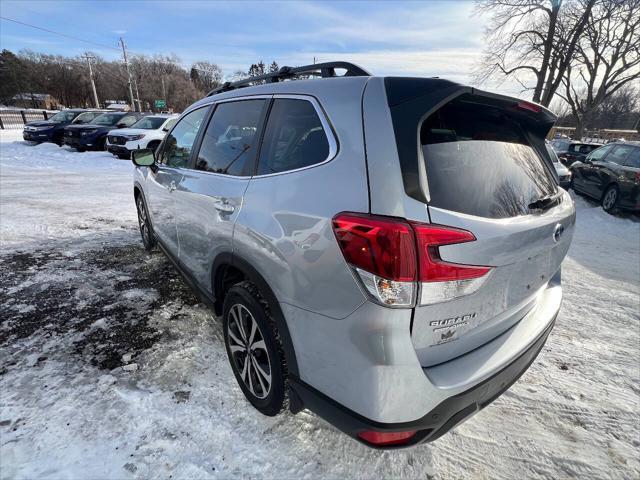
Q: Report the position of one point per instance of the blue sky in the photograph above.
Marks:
(427, 38)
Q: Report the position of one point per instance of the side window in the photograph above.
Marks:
(294, 137)
(128, 120)
(633, 160)
(619, 154)
(178, 143)
(599, 153)
(230, 141)
(170, 124)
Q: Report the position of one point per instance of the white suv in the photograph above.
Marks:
(148, 132)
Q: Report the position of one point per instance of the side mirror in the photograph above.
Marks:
(586, 160)
(121, 125)
(165, 129)
(144, 157)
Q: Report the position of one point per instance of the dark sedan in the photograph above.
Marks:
(92, 136)
(611, 175)
(52, 130)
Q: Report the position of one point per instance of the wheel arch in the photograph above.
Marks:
(226, 269)
(612, 183)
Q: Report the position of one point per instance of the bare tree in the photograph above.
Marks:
(206, 75)
(532, 42)
(607, 59)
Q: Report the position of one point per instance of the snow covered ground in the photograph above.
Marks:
(80, 299)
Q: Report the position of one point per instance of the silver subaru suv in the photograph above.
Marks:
(384, 252)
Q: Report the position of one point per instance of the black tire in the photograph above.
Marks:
(144, 223)
(610, 199)
(243, 301)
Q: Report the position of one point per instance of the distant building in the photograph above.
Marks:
(35, 100)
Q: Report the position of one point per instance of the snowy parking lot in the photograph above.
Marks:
(110, 368)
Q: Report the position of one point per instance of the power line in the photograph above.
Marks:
(58, 33)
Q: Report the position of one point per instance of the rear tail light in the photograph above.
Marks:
(383, 254)
(532, 107)
(442, 281)
(381, 439)
(390, 256)
(638, 177)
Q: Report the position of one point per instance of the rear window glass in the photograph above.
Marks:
(633, 160)
(479, 162)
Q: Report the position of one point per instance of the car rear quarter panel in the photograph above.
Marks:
(284, 228)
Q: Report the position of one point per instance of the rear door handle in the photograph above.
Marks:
(224, 207)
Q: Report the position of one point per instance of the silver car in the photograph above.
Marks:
(384, 252)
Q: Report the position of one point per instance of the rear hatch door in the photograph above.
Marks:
(487, 172)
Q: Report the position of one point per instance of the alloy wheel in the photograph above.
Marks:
(249, 351)
(143, 221)
(609, 199)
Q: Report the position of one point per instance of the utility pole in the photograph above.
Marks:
(93, 83)
(135, 85)
(126, 64)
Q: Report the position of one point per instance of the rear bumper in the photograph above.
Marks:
(445, 416)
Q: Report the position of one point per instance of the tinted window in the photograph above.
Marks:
(294, 137)
(178, 143)
(230, 142)
(149, 123)
(599, 153)
(107, 119)
(85, 117)
(479, 162)
(63, 117)
(633, 160)
(170, 124)
(128, 120)
(619, 154)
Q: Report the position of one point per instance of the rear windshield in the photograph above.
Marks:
(479, 162)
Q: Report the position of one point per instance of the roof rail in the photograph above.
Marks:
(324, 70)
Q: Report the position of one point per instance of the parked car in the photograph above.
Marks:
(92, 136)
(576, 151)
(611, 175)
(382, 251)
(147, 132)
(564, 175)
(52, 130)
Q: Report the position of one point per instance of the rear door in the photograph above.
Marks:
(587, 178)
(488, 173)
(209, 195)
(172, 164)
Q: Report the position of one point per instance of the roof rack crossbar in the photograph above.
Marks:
(324, 70)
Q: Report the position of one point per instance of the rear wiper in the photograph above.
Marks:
(544, 202)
